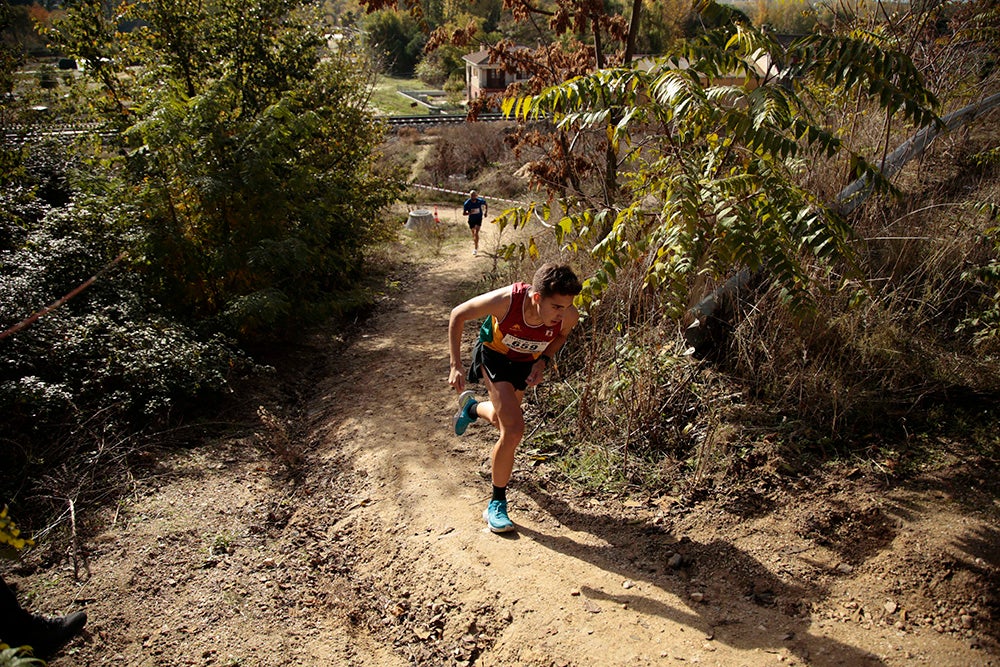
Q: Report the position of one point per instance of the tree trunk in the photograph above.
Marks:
(855, 194)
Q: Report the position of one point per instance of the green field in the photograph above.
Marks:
(386, 98)
(388, 101)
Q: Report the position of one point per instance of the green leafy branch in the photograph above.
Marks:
(718, 134)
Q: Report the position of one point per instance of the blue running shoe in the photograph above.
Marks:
(496, 517)
(462, 418)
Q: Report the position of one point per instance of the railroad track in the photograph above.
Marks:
(441, 119)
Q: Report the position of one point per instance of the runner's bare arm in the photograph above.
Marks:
(491, 303)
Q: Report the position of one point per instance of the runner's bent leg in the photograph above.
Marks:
(484, 410)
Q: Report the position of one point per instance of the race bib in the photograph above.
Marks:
(525, 346)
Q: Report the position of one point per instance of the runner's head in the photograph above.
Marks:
(552, 292)
(552, 279)
(472, 194)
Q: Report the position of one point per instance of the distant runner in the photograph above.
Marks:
(475, 207)
(524, 327)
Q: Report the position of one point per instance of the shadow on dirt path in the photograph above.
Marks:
(723, 602)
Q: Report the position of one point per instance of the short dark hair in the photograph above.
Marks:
(551, 279)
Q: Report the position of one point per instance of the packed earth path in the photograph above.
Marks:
(369, 547)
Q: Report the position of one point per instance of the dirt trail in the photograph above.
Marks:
(378, 555)
(574, 585)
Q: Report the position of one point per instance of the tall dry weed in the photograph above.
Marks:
(463, 151)
(876, 356)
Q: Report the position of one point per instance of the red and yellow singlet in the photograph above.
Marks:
(511, 335)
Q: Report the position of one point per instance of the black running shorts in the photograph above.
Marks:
(498, 367)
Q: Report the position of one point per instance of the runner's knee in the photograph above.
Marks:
(512, 425)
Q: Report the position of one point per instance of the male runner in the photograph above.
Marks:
(475, 207)
(524, 327)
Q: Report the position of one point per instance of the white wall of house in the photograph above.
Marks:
(482, 77)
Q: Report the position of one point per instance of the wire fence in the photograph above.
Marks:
(20, 134)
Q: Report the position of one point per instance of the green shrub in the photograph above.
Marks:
(110, 351)
(240, 201)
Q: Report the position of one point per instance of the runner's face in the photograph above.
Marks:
(553, 309)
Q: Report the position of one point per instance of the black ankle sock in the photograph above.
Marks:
(470, 410)
(500, 493)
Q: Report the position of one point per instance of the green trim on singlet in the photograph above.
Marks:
(486, 330)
